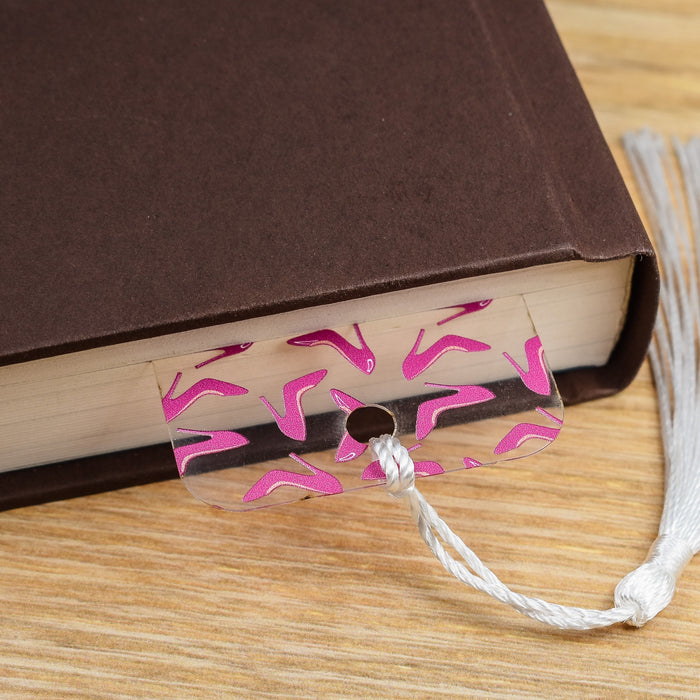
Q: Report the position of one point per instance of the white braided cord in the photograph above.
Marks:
(395, 460)
(675, 358)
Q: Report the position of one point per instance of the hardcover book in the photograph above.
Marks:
(184, 177)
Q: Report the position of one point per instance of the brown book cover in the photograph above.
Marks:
(168, 167)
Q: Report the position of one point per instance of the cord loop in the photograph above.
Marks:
(396, 464)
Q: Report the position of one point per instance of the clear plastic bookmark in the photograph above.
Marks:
(256, 424)
(259, 423)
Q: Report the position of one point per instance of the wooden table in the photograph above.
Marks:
(146, 592)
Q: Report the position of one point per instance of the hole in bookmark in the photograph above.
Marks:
(365, 422)
(273, 421)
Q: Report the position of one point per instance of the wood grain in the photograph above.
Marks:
(147, 593)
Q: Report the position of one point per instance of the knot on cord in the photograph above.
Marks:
(649, 588)
(396, 464)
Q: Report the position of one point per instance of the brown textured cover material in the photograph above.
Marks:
(167, 166)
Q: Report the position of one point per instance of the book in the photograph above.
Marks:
(177, 179)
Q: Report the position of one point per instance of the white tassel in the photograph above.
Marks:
(675, 362)
(675, 358)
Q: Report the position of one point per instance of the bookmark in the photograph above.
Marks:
(262, 423)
